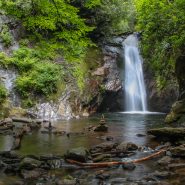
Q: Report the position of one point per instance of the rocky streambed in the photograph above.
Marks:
(65, 154)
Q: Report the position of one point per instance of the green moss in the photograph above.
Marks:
(6, 36)
(3, 94)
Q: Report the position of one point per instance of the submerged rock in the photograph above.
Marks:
(30, 163)
(129, 166)
(78, 154)
(32, 174)
(102, 157)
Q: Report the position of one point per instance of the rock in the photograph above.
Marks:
(102, 157)
(102, 175)
(103, 147)
(69, 180)
(165, 161)
(18, 183)
(140, 135)
(178, 151)
(177, 111)
(21, 119)
(30, 163)
(85, 114)
(176, 166)
(168, 132)
(101, 128)
(7, 120)
(124, 147)
(172, 117)
(129, 166)
(78, 154)
(17, 112)
(179, 107)
(34, 125)
(32, 174)
(47, 157)
(109, 138)
(101, 71)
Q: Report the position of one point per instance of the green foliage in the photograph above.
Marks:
(5, 61)
(42, 80)
(163, 40)
(115, 17)
(37, 76)
(57, 21)
(3, 93)
(6, 36)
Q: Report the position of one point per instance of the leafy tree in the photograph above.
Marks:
(55, 20)
(162, 24)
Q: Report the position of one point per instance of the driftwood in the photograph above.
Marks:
(107, 164)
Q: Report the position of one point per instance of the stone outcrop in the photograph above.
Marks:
(177, 113)
(168, 132)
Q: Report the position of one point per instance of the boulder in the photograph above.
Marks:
(102, 157)
(32, 174)
(168, 132)
(124, 147)
(176, 166)
(101, 128)
(101, 71)
(172, 117)
(178, 151)
(103, 147)
(129, 166)
(21, 119)
(30, 163)
(179, 107)
(177, 111)
(164, 161)
(78, 154)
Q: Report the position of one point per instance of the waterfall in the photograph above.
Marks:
(135, 92)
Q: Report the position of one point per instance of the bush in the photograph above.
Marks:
(6, 36)
(41, 80)
(3, 93)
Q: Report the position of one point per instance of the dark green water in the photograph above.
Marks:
(122, 127)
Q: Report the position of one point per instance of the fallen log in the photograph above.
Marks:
(108, 164)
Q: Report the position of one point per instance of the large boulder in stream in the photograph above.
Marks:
(168, 132)
(30, 163)
(126, 146)
(177, 111)
(78, 154)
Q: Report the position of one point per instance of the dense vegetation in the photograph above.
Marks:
(57, 36)
(162, 24)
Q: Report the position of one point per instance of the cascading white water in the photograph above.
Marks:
(135, 92)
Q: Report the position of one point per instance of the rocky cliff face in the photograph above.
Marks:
(160, 100)
(177, 113)
(104, 86)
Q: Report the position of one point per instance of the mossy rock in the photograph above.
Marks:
(168, 132)
(172, 117)
(179, 107)
(17, 112)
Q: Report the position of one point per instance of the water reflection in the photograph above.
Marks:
(122, 127)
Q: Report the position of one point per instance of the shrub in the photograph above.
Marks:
(3, 93)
